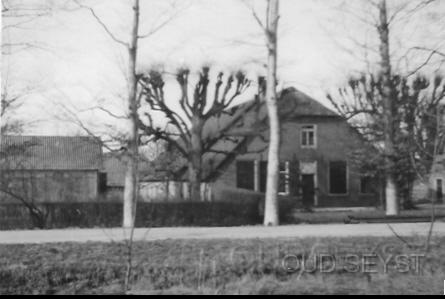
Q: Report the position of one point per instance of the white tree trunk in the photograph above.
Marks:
(131, 177)
(271, 204)
(392, 205)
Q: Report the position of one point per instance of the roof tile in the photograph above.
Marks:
(54, 152)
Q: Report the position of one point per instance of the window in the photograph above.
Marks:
(338, 181)
(308, 136)
(366, 185)
(245, 175)
(283, 183)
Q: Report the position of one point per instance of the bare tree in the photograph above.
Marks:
(383, 19)
(186, 129)
(270, 28)
(271, 205)
(392, 206)
(131, 177)
(417, 138)
(18, 18)
(131, 143)
(9, 104)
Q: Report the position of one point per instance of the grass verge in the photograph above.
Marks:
(224, 267)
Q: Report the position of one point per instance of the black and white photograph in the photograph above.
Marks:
(222, 147)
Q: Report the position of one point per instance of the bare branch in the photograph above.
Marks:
(433, 52)
(162, 24)
(102, 24)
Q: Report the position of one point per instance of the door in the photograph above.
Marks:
(308, 189)
(439, 191)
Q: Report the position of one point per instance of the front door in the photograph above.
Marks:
(439, 191)
(308, 189)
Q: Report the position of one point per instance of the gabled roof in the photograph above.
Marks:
(51, 152)
(294, 103)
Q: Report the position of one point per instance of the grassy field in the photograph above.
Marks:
(220, 267)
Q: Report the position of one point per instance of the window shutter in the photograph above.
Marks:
(294, 177)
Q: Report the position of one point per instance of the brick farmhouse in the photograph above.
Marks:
(315, 158)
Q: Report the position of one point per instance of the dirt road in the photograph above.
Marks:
(142, 234)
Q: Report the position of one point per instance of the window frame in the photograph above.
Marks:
(305, 130)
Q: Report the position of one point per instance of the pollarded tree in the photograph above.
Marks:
(186, 128)
(417, 133)
(385, 23)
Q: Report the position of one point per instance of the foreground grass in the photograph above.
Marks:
(214, 267)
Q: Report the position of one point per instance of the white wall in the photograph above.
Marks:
(170, 191)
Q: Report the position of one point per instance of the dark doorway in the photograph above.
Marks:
(439, 191)
(308, 189)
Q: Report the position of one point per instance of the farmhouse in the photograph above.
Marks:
(316, 167)
(45, 169)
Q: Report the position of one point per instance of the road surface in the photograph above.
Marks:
(153, 234)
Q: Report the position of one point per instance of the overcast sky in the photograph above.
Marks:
(79, 66)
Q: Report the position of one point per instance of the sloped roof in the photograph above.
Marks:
(52, 152)
(294, 103)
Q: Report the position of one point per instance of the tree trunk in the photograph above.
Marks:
(392, 205)
(195, 160)
(131, 177)
(271, 204)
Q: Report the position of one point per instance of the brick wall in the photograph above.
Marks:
(336, 141)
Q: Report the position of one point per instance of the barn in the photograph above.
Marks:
(49, 169)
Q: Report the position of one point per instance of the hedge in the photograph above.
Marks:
(169, 214)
